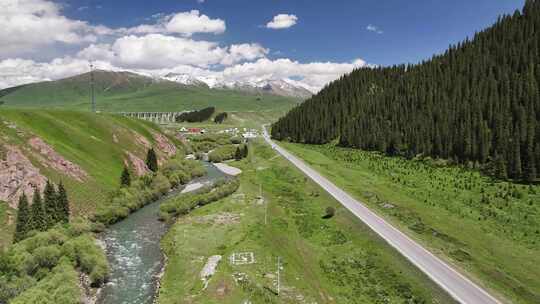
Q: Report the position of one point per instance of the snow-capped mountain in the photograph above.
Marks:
(282, 87)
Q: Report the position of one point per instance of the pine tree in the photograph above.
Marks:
(62, 204)
(23, 219)
(125, 178)
(245, 151)
(151, 160)
(49, 204)
(238, 153)
(479, 101)
(37, 211)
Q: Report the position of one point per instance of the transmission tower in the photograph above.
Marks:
(93, 99)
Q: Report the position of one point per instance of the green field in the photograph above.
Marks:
(83, 138)
(488, 228)
(235, 119)
(335, 260)
(125, 92)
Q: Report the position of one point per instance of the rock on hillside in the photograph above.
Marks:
(51, 158)
(18, 176)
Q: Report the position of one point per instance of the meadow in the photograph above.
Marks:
(83, 138)
(332, 260)
(160, 97)
(490, 229)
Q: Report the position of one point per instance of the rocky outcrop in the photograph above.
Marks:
(51, 158)
(17, 176)
(136, 163)
(164, 144)
(141, 140)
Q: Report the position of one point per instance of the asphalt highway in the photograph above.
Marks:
(458, 286)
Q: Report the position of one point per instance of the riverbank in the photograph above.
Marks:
(133, 249)
(229, 170)
(315, 253)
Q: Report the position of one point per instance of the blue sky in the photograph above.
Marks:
(326, 30)
(313, 41)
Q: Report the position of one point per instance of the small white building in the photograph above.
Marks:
(249, 135)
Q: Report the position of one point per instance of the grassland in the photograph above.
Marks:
(488, 228)
(119, 92)
(84, 139)
(235, 119)
(336, 260)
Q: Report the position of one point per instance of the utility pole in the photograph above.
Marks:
(92, 87)
(265, 205)
(278, 274)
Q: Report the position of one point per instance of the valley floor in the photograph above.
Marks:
(487, 228)
(334, 260)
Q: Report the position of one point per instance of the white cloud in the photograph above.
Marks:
(19, 71)
(183, 23)
(194, 22)
(315, 74)
(373, 28)
(153, 49)
(27, 25)
(242, 52)
(282, 21)
(157, 51)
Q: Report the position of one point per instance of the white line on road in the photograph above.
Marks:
(458, 286)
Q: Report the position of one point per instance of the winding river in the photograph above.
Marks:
(134, 253)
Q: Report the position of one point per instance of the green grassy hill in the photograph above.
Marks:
(97, 143)
(124, 91)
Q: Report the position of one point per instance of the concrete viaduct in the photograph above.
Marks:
(157, 117)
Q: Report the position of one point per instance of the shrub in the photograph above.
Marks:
(330, 212)
(147, 189)
(182, 205)
(222, 153)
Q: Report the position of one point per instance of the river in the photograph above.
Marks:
(134, 253)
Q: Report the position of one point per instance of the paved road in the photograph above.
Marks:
(459, 287)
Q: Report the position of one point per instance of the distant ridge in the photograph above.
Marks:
(118, 91)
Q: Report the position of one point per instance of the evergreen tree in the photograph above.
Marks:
(125, 178)
(151, 160)
(38, 216)
(50, 206)
(62, 204)
(238, 153)
(478, 102)
(245, 151)
(23, 219)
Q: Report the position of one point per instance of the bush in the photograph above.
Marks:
(222, 153)
(182, 205)
(40, 269)
(58, 287)
(147, 189)
(330, 212)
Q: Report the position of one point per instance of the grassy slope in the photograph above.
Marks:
(146, 97)
(496, 239)
(85, 139)
(249, 119)
(367, 270)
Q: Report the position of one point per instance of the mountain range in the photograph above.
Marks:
(127, 91)
(276, 86)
